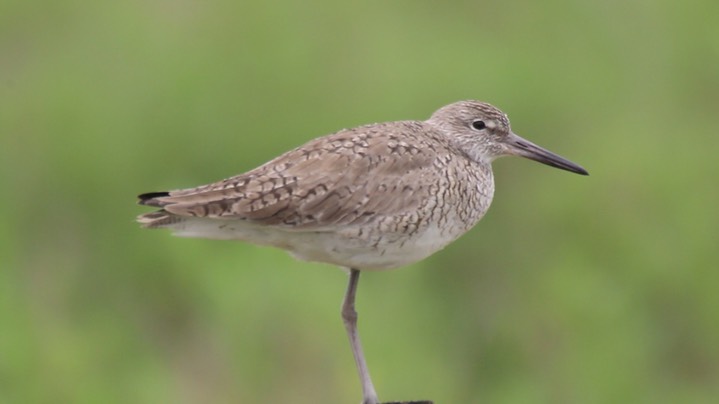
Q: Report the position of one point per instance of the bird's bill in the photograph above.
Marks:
(524, 148)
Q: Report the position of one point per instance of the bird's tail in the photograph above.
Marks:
(152, 199)
(159, 218)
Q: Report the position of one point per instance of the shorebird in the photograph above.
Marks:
(373, 197)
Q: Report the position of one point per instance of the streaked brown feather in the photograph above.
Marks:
(324, 183)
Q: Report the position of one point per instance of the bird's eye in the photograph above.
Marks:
(479, 125)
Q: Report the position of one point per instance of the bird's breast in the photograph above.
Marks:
(393, 241)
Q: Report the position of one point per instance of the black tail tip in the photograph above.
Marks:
(144, 199)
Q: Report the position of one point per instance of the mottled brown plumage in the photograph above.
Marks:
(373, 197)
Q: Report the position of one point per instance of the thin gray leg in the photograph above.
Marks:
(349, 316)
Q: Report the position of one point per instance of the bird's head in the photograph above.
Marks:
(483, 133)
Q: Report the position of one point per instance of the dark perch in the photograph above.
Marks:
(410, 402)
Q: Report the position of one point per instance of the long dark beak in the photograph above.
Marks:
(524, 148)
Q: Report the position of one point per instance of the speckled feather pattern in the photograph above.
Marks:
(373, 197)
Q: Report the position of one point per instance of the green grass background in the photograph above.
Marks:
(600, 289)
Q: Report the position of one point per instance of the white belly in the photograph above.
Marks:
(343, 248)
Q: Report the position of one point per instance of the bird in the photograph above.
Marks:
(369, 198)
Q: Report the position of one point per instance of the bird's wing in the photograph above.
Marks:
(350, 177)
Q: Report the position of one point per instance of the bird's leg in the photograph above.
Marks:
(349, 316)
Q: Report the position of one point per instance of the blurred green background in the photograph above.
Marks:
(599, 289)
